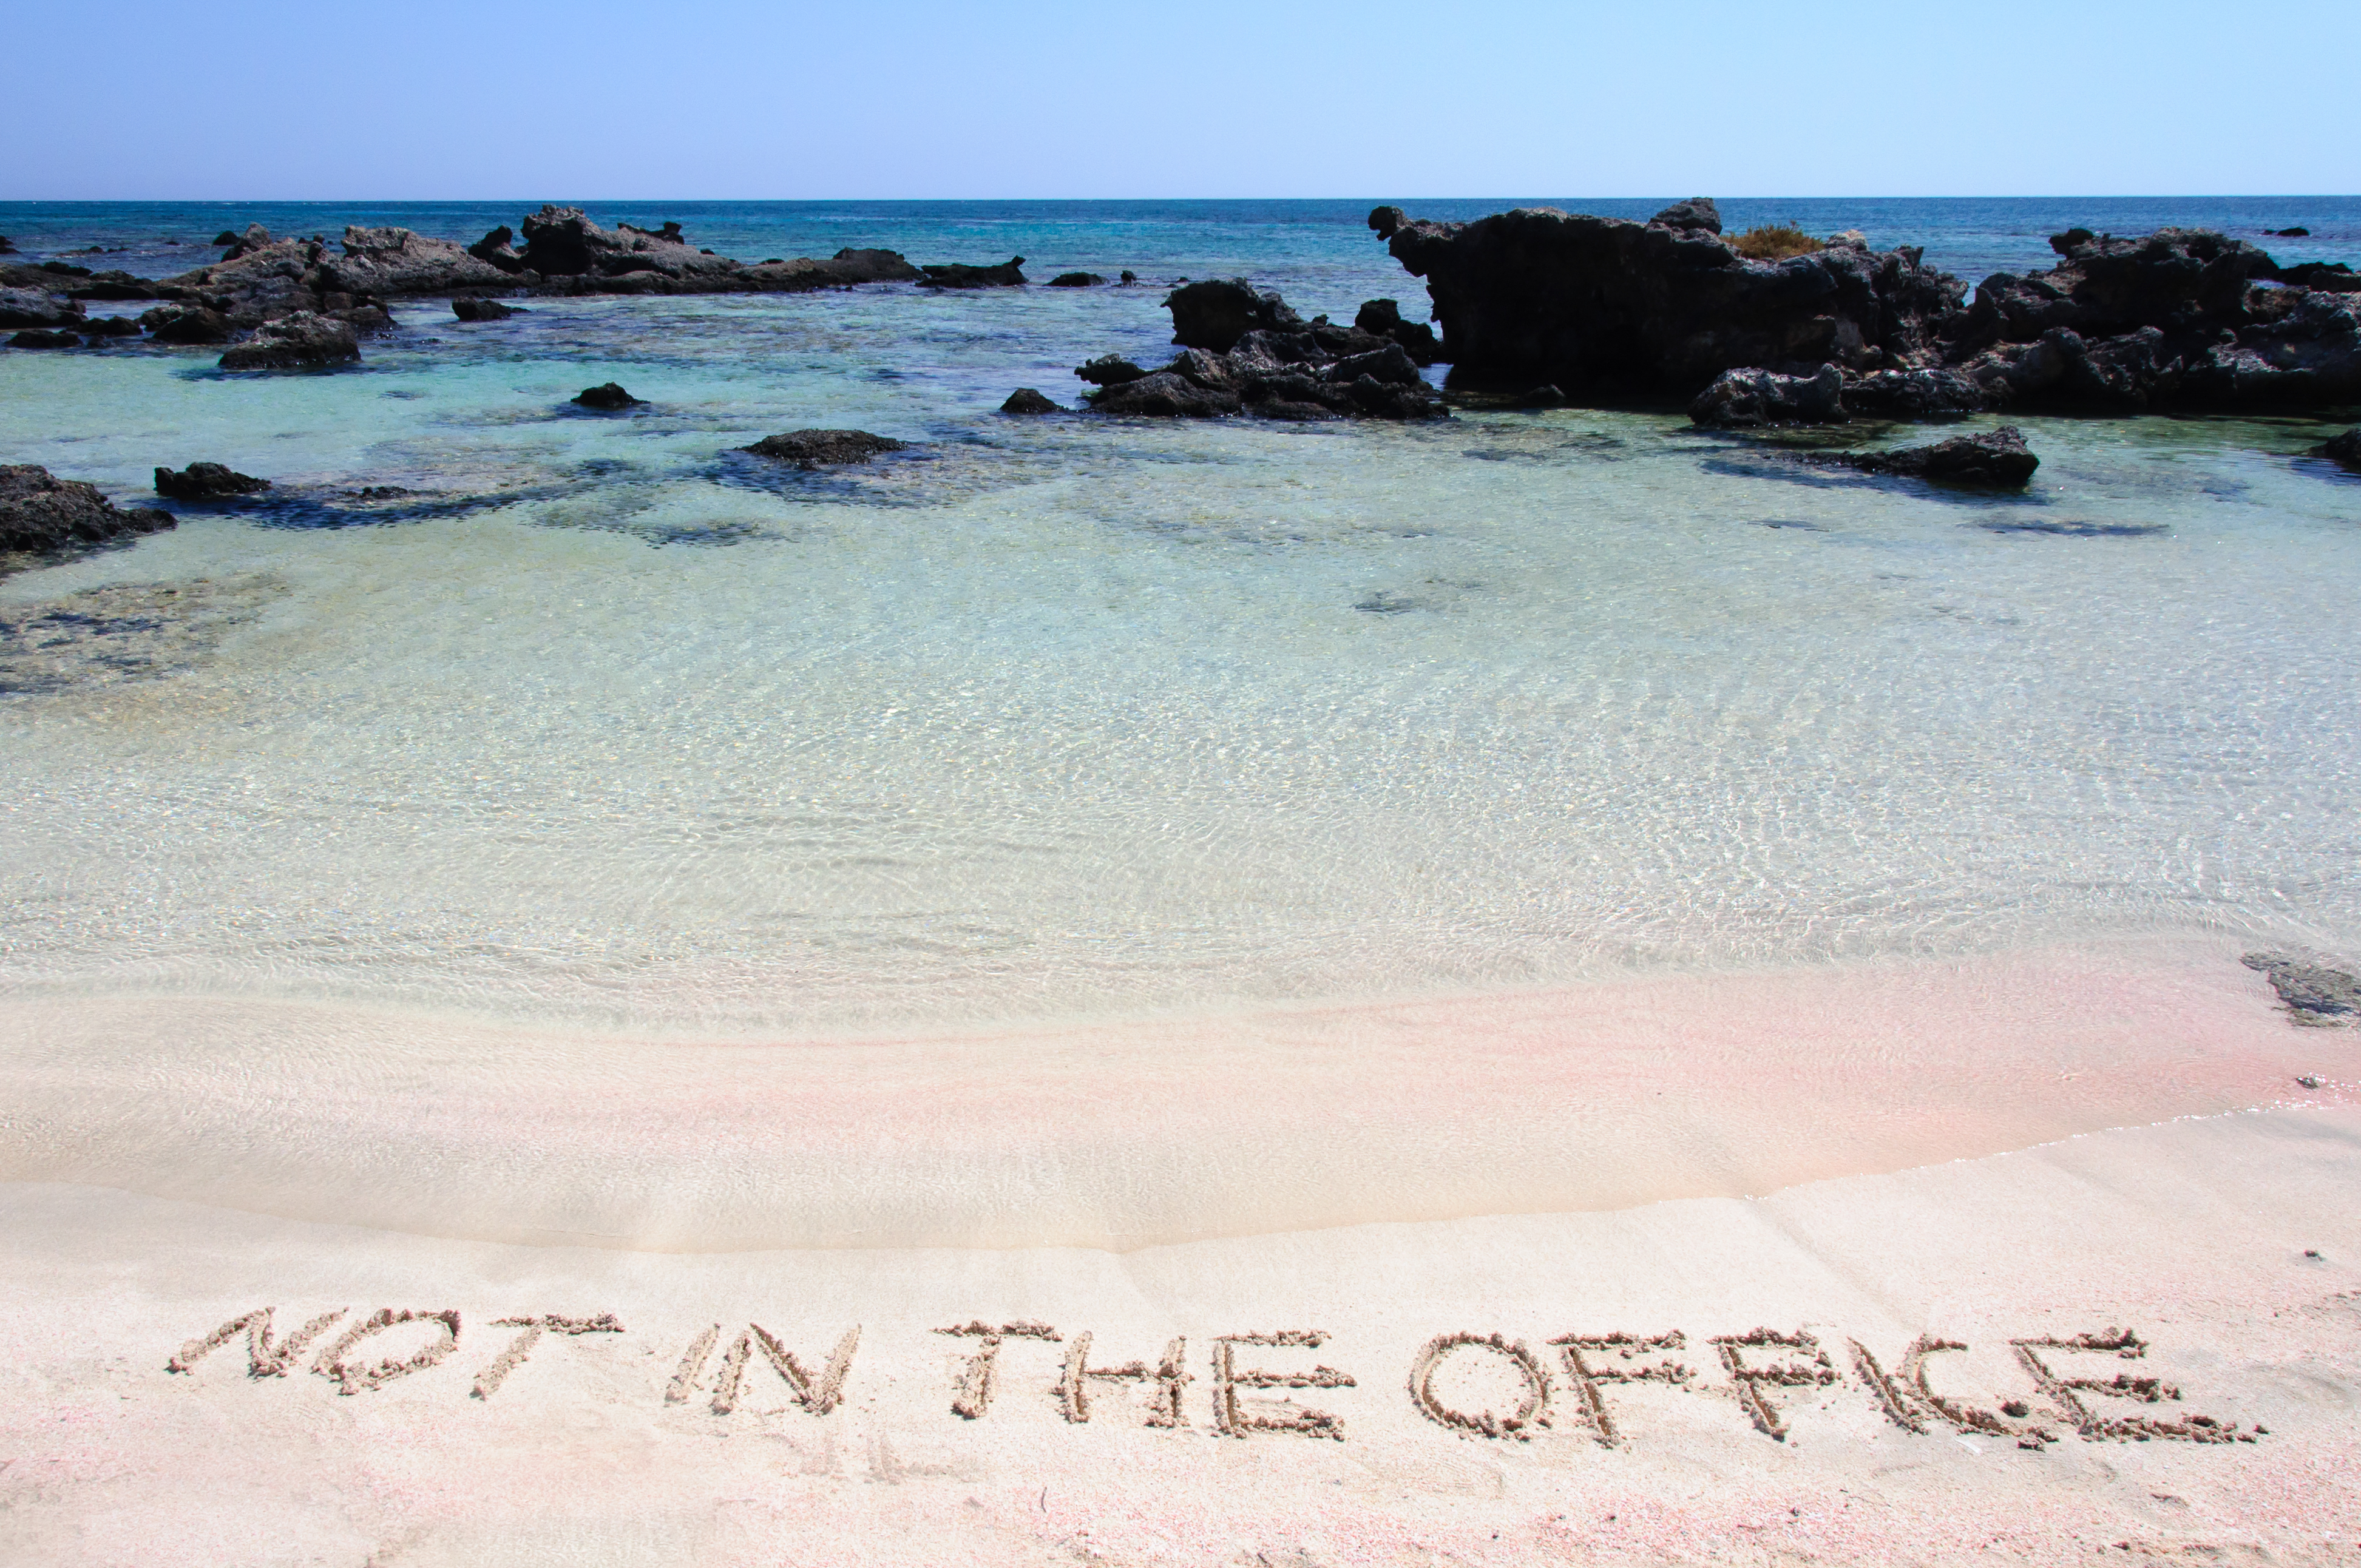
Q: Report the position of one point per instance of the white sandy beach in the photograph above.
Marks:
(2068, 1143)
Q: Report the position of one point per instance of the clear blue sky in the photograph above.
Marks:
(737, 98)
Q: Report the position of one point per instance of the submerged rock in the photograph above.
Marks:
(303, 341)
(2343, 450)
(1996, 460)
(1027, 400)
(468, 310)
(960, 275)
(1076, 280)
(2314, 992)
(824, 448)
(607, 396)
(42, 513)
(206, 482)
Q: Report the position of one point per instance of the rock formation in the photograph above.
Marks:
(1026, 401)
(606, 396)
(1997, 460)
(2343, 450)
(960, 275)
(1076, 280)
(1246, 351)
(42, 513)
(35, 307)
(824, 448)
(467, 309)
(1617, 311)
(206, 482)
(303, 341)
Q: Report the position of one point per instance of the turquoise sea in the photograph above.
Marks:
(594, 720)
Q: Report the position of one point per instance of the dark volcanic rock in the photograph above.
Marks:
(1215, 314)
(1696, 213)
(824, 448)
(392, 262)
(498, 248)
(1291, 370)
(1748, 398)
(302, 341)
(1166, 395)
(960, 275)
(562, 241)
(37, 338)
(2343, 450)
(113, 286)
(1542, 397)
(1997, 460)
(99, 327)
(607, 396)
(1025, 400)
(206, 482)
(255, 237)
(1912, 394)
(32, 307)
(1109, 370)
(2332, 277)
(39, 514)
(1605, 308)
(7, 247)
(226, 236)
(1076, 280)
(481, 310)
(1385, 220)
(1383, 318)
(186, 323)
(2314, 992)
(845, 269)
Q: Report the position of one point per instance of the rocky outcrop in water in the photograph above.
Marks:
(1383, 318)
(1027, 400)
(960, 275)
(1292, 369)
(606, 396)
(389, 263)
(824, 448)
(206, 482)
(303, 341)
(1997, 460)
(1076, 280)
(40, 514)
(1613, 311)
(2315, 992)
(473, 310)
(2343, 450)
(37, 308)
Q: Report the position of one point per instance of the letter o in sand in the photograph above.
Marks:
(1510, 1356)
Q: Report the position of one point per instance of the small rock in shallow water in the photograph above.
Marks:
(824, 448)
(1996, 460)
(608, 395)
(206, 482)
(39, 513)
(2297, 233)
(2314, 992)
(1754, 396)
(1109, 370)
(34, 337)
(2343, 450)
(1541, 397)
(1025, 400)
(960, 275)
(1076, 280)
(302, 341)
(482, 310)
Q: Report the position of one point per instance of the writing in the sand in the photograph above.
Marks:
(1260, 1385)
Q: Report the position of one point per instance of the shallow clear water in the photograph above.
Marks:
(606, 724)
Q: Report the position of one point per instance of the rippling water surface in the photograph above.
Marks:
(599, 721)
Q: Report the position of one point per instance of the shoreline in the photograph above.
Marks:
(1134, 1132)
